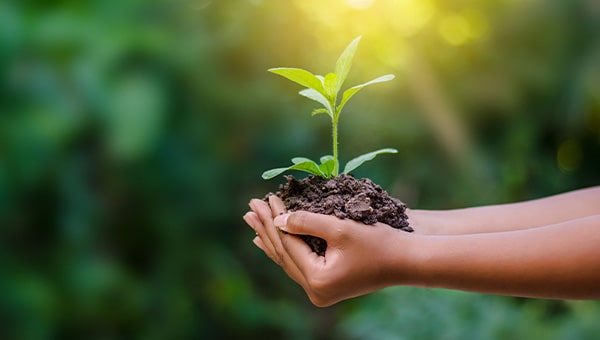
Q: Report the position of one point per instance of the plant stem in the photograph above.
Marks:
(336, 167)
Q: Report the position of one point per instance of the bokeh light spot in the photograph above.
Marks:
(411, 15)
(454, 29)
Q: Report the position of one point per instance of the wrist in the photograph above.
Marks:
(406, 258)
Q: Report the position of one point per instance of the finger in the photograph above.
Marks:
(290, 267)
(284, 260)
(306, 223)
(277, 206)
(264, 213)
(259, 243)
(254, 221)
(305, 260)
(265, 245)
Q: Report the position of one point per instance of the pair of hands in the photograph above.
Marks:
(543, 248)
(359, 258)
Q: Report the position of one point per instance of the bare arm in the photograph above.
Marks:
(505, 217)
(556, 261)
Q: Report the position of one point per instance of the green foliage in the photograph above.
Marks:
(327, 166)
(467, 316)
(325, 91)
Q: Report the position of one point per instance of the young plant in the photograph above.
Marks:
(325, 90)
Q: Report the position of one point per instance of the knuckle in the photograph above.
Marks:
(298, 219)
(280, 259)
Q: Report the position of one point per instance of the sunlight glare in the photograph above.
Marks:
(411, 15)
(360, 4)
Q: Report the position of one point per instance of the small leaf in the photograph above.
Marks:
(344, 62)
(358, 161)
(330, 86)
(318, 97)
(327, 165)
(307, 166)
(318, 111)
(299, 76)
(298, 160)
(325, 158)
(352, 91)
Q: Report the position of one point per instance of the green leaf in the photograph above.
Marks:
(325, 158)
(327, 165)
(298, 160)
(352, 91)
(318, 97)
(330, 86)
(358, 161)
(299, 76)
(344, 62)
(300, 163)
(318, 111)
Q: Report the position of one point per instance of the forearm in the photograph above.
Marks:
(557, 261)
(504, 217)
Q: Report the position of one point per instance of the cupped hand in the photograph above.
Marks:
(359, 258)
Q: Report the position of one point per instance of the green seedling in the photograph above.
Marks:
(325, 90)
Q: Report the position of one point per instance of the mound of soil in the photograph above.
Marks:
(345, 197)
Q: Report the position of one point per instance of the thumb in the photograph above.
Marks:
(307, 223)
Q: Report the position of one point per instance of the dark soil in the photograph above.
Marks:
(345, 197)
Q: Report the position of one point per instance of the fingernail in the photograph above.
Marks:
(280, 221)
(252, 203)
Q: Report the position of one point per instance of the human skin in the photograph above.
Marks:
(505, 217)
(545, 248)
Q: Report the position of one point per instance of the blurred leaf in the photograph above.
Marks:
(135, 116)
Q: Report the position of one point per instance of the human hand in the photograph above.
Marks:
(359, 258)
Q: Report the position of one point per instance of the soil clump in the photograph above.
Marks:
(345, 197)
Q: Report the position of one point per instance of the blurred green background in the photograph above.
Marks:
(133, 133)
